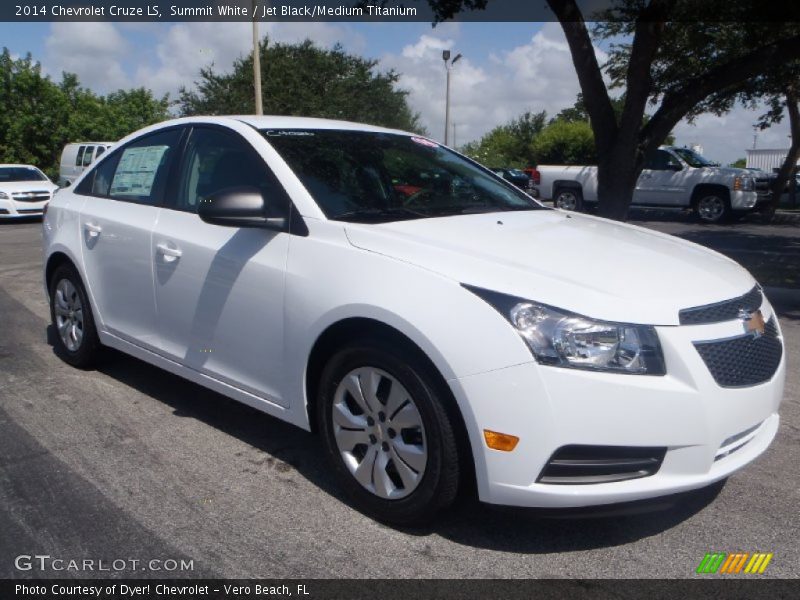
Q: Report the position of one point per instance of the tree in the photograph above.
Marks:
(565, 143)
(676, 56)
(303, 79)
(508, 145)
(739, 163)
(38, 117)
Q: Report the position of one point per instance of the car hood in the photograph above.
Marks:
(591, 266)
(13, 187)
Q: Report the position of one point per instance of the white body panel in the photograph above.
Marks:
(259, 300)
(654, 187)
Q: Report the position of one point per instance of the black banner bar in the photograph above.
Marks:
(731, 588)
(364, 10)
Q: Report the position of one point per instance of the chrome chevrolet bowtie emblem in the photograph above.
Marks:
(753, 322)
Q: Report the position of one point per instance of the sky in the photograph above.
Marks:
(506, 69)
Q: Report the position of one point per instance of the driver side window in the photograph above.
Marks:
(661, 160)
(215, 161)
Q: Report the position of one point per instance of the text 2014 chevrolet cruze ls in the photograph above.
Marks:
(433, 322)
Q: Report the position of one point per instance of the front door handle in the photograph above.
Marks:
(92, 229)
(169, 253)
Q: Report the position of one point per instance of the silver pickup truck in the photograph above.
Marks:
(672, 178)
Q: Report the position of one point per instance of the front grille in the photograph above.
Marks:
(38, 196)
(728, 310)
(581, 465)
(745, 360)
(30, 211)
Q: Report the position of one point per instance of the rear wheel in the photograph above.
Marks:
(568, 199)
(712, 208)
(71, 314)
(387, 433)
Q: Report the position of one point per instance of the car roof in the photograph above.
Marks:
(278, 122)
(91, 144)
(19, 166)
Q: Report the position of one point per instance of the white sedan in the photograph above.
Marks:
(24, 191)
(404, 302)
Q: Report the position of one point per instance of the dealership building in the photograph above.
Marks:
(766, 159)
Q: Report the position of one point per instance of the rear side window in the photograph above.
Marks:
(99, 152)
(142, 167)
(79, 157)
(87, 156)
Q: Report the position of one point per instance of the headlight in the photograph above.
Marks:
(744, 184)
(3, 196)
(563, 339)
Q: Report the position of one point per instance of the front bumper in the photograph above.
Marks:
(741, 201)
(12, 209)
(685, 412)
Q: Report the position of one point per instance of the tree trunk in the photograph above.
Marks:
(617, 173)
(787, 168)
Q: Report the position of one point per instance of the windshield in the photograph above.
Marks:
(8, 174)
(693, 159)
(378, 177)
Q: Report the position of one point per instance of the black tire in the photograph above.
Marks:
(439, 483)
(568, 198)
(88, 352)
(712, 207)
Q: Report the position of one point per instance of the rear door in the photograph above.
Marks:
(123, 198)
(220, 290)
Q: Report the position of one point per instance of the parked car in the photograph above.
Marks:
(672, 177)
(24, 191)
(76, 157)
(419, 332)
(515, 176)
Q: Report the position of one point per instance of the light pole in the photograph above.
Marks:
(257, 64)
(447, 65)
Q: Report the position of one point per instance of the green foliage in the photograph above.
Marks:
(38, 117)
(508, 145)
(565, 143)
(739, 163)
(303, 79)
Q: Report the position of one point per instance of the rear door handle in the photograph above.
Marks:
(168, 252)
(93, 229)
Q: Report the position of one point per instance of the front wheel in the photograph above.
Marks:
(712, 208)
(387, 433)
(568, 199)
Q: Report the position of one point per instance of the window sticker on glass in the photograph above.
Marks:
(425, 142)
(137, 171)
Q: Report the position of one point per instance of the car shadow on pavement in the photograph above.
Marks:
(469, 522)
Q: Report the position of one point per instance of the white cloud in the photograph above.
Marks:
(535, 76)
(725, 138)
(188, 47)
(92, 50)
(96, 51)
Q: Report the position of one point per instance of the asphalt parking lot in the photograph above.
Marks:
(131, 462)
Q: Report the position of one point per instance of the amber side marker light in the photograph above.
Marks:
(500, 441)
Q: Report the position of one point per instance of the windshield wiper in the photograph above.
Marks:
(378, 213)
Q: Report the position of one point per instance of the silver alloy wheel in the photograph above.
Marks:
(379, 433)
(69, 315)
(711, 208)
(567, 200)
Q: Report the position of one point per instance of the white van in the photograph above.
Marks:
(76, 157)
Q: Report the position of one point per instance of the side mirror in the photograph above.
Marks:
(239, 207)
(674, 167)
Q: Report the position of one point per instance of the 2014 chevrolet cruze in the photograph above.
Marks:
(432, 321)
